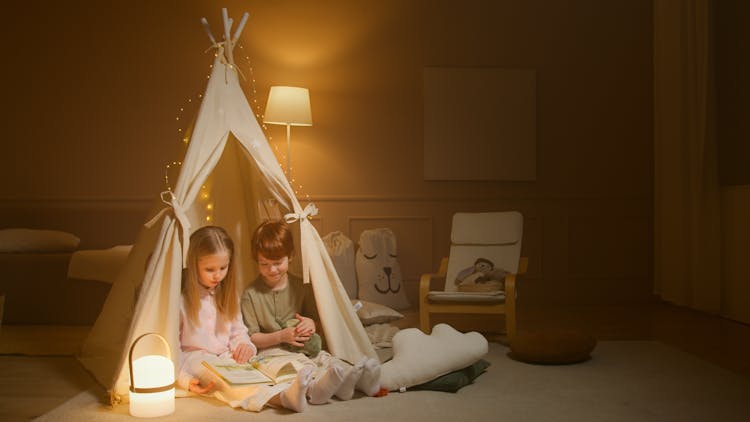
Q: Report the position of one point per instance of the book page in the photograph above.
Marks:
(235, 373)
(280, 367)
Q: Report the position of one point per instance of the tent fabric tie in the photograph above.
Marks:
(309, 211)
(225, 59)
(180, 215)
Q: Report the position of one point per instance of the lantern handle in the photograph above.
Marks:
(135, 389)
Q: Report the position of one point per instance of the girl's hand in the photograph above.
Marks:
(290, 336)
(195, 386)
(242, 353)
(305, 327)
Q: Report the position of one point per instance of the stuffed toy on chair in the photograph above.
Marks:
(480, 277)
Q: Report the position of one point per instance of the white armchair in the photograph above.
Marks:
(480, 272)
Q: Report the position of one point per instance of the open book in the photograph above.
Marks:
(264, 369)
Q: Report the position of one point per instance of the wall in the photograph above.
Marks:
(733, 89)
(733, 98)
(93, 98)
(735, 233)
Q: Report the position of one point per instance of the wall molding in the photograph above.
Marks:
(63, 201)
(441, 198)
(339, 198)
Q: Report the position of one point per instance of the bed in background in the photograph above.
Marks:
(35, 284)
(98, 264)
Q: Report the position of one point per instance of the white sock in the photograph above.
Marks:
(346, 390)
(294, 397)
(369, 382)
(323, 387)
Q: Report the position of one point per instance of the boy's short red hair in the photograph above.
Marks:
(272, 239)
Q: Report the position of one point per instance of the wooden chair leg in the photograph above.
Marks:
(424, 319)
(510, 306)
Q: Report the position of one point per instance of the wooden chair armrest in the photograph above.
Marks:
(523, 265)
(425, 281)
(510, 285)
(510, 279)
(510, 297)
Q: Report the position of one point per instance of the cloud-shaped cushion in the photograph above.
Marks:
(418, 357)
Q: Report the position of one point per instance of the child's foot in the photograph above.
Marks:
(369, 382)
(322, 388)
(346, 390)
(295, 397)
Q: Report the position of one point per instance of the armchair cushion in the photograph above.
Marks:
(486, 228)
(483, 297)
(484, 247)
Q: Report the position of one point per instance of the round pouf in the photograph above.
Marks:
(558, 347)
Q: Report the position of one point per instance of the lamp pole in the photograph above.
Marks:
(289, 152)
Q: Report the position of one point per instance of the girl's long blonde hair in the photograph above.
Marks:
(210, 240)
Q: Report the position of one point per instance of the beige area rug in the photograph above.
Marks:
(624, 381)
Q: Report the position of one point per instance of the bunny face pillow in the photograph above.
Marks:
(378, 271)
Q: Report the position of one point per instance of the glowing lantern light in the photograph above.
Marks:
(151, 383)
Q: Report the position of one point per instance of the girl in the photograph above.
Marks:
(277, 297)
(211, 325)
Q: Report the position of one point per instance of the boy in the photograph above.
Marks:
(275, 304)
(275, 308)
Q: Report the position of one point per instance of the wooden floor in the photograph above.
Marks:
(38, 372)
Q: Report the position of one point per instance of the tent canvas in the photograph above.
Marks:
(229, 165)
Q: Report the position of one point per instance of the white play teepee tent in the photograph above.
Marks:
(227, 171)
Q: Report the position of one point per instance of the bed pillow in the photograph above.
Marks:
(30, 240)
(375, 313)
(418, 357)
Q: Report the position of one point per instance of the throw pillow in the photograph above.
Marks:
(374, 313)
(378, 270)
(418, 357)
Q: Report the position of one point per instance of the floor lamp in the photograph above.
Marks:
(290, 106)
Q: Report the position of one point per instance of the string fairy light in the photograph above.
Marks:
(166, 173)
(184, 131)
(296, 187)
(205, 196)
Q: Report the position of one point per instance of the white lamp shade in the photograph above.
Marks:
(288, 105)
(152, 371)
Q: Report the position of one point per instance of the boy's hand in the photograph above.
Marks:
(290, 336)
(242, 353)
(195, 386)
(305, 327)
